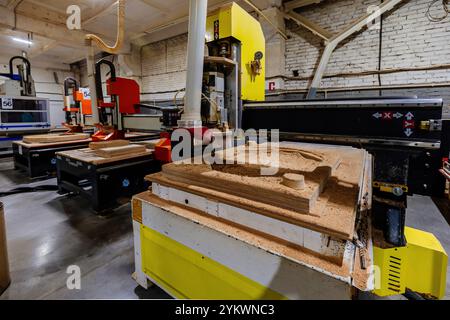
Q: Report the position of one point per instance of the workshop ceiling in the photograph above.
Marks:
(45, 22)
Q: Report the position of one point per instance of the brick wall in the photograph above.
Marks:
(164, 68)
(409, 39)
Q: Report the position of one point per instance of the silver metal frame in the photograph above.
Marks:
(348, 139)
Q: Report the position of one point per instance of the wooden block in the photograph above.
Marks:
(108, 144)
(120, 151)
(149, 144)
(52, 138)
(294, 181)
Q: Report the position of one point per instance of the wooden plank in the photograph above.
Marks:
(55, 138)
(88, 156)
(220, 60)
(108, 144)
(81, 143)
(120, 151)
(149, 144)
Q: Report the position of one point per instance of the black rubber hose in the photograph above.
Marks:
(11, 65)
(67, 82)
(98, 76)
(29, 190)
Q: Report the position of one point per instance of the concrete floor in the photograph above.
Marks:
(47, 233)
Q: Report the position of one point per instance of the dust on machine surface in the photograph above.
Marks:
(233, 195)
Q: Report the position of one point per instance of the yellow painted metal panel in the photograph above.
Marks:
(187, 274)
(390, 264)
(234, 21)
(421, 266)
(428, 262)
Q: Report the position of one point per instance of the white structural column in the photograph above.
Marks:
(348, 31)
(195, 59)
(90, 60)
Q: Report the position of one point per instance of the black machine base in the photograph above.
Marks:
(104, 185)
(40, 162)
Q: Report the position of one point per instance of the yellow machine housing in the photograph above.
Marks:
(421, 266)
(232, 21)
(207, 278)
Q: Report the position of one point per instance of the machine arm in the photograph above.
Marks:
(11, 66)
(24, 76)
(67, 85)
(98, 76)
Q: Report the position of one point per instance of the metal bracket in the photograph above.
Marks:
(431, 125)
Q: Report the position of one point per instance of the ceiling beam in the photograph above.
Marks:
(37, 51)
(57, 31)
(12, 4)
(173, 21)
(100, 13)
(277, 29)
(294, 4)
(159, 7)
(308, 24)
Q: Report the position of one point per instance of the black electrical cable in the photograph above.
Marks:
(380, 52)
(445, 4)
(28, 190)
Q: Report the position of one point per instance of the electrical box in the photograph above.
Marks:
(23, 114)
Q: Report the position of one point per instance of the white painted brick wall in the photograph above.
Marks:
(164, 68)
(409, 40)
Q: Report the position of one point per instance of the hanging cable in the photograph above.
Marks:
(380, 52)
(445, 7)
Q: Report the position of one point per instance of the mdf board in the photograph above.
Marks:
(4, 265)
(108, 144)
(89, 156)
(53, 138)
(121, 151)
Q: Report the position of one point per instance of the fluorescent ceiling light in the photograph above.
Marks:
(22, 40)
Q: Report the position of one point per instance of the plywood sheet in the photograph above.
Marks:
(55, 138)
(80, 143)
(87, 155)
(120, 151)
(108, 144)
